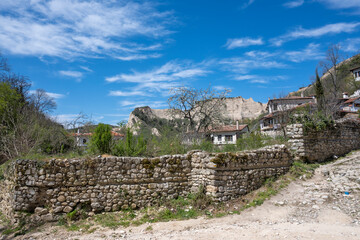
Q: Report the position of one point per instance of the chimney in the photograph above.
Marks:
(302, 94)
(345, 95)
(237, 125)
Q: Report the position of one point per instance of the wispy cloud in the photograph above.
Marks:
(342, 4)
(243, 42)
(259, 79)
(73, 28)
(311, 52)
(138, 57)
(158, 80)
(245, 65)
(247, 3)
(72, 74)
(50, 94)
(127, 93)
(351, 45)
(300, 32)
(293, 4)
(134, 104)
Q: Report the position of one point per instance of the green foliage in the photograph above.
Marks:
(313, 122)
(300, 169)
(251, 141)
(3, 168)
(130, 146)
(101, 140)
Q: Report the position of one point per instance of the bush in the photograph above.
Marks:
(101, 140)
(130, 146)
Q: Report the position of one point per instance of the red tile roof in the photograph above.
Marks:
(228, 128)
(351, 100)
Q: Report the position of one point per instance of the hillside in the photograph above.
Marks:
(347, 83)
(236, 108)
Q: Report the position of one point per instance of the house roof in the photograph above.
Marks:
(228, 128)
(352, 69)
(113, 133)
(351, 100)
(291, 98)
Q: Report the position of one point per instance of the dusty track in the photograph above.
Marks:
(314, 209)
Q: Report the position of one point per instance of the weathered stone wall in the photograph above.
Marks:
(318, 146)
(231, 175)
(113, 183)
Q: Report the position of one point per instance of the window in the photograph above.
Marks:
(275, 106)
(219, 138)
(228, 138)
(84, 141)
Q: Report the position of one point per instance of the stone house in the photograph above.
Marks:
(278, 109)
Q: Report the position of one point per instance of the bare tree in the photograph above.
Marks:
(201, 107)
(332, 69)
(42, 102)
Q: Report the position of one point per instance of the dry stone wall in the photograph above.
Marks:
(113, 183)
(318, 146)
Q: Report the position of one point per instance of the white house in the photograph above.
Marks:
(227, 134)
(356, 73)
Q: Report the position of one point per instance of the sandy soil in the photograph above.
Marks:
(313, 209)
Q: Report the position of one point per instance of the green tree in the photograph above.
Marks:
(319, 92)
(130, 146)
(101, 140)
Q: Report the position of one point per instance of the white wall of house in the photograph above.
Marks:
(356, 73)
(82, 141)
(224, 138)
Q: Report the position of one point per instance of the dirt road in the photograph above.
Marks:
(324, 207)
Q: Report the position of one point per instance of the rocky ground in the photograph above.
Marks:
(326, 206)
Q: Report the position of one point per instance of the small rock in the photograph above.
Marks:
(58, 209)
(48, 218)
(61, 198)
(316, 207)
(68, 209)
(41, 211)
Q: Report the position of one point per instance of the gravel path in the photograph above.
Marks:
(324, 207)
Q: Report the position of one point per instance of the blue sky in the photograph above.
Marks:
(104, 58)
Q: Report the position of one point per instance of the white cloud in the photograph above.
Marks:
(351, 45)
(247, 3)
(138, 57)
(243, 42)
(245, 65)
(259, 79)
(127, 93)
(134, 104)
(73, 28)
(171, 71)
(293, 4)
(73, 74)
(341, 4)
(159, 80)
(316, 32)
(50, 94)
(311, 52)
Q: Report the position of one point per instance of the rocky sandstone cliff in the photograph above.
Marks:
(236, 108)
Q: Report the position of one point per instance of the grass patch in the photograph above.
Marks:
(3, 168)
(115, 220)
(303, 170)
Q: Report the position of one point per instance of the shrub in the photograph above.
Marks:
(101, 140)
(130, 146)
